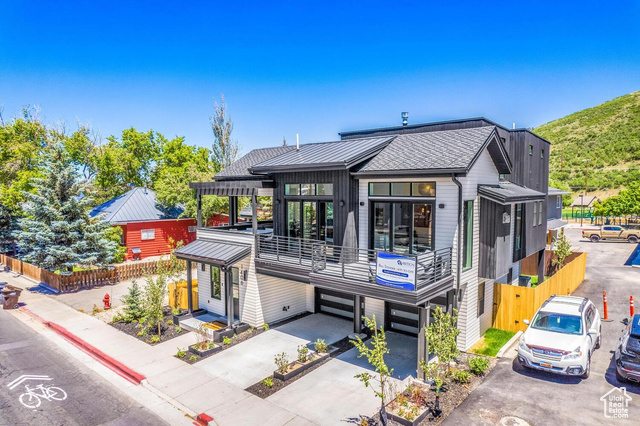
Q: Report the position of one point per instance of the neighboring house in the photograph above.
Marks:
(388, 222)
(146, 226)
(554, 213)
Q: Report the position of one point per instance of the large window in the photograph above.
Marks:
(467, 242)
(402, 189)
(540, 214)
(216, 292)
(518, 233)
(401, 227)
(535, 214)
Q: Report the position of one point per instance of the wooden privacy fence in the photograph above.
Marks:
(512, 304)
(179, 295)
(82, 279)
(529, 265)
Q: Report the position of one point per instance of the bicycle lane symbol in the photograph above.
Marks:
(33, 396)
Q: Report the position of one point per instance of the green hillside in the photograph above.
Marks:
(608, 135)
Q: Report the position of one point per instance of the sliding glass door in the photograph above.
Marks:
(402, 227)
(311, 220)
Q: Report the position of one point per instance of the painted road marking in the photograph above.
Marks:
(17, 382)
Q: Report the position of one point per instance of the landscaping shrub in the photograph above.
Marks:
(303, 353)
(181, 353)
(282, 363)
(226, 341)
(154, 293)
(321, 347)
(479, 365)
(268, 382)
(461, 376)
(155, 339)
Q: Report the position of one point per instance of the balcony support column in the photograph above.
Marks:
(199, 210)
(228, 287)
(424, 317)
(357, 314)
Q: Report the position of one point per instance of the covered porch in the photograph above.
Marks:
(217, 254)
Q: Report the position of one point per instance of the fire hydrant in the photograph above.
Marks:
(107, 304)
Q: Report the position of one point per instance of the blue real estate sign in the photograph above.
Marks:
(397, 271)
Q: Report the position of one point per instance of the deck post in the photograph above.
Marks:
(189, 287)
(199, 210)
(228, 285)
(357, 314)
(423, 346)
(254, 214)
(233, 210)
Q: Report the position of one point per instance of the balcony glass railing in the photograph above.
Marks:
(354, 263)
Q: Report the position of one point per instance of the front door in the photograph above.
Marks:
(235, 284)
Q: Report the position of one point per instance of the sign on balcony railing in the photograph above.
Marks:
(394, 270)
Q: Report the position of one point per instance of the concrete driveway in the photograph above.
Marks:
(544, 398)
(253, 360)
(331, 395)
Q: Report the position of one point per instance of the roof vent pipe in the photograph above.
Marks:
(405, 118)
(297, 142)
(514, 126)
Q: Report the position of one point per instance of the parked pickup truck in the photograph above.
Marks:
(612, 232)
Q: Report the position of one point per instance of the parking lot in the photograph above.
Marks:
(544, 398)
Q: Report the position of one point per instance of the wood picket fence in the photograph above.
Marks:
(83, 279)
(512, 304)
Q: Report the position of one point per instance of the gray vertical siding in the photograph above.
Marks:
(345, 188)
(495, 240)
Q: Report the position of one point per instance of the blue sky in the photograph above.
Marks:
(312, 68)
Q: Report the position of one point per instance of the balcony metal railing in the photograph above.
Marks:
(345, 262)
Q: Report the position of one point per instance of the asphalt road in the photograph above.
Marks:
(90, 400)
(542, 398)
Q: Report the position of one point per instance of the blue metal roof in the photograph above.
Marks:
(136, 205)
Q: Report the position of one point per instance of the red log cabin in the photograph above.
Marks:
(146, 226)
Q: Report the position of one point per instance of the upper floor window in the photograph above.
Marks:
(148, 234)
(530, 149)
(308, 189)
(535, 213)
(402, 189)
(542, 153)
(540, 215)
(559, 201)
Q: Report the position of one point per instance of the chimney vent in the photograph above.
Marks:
(405, 118)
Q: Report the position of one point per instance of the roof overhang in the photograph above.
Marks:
(213, 252)
(509, 193)
(409, 173)
(556, 224)
(497, 151)
(556, 191)
(237, 188)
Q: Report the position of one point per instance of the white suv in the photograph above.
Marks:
(562, 336)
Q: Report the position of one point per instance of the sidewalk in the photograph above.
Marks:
(181, 384)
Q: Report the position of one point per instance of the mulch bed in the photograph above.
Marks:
(450, 397)
(191, 358)
(168, 331)
(263, 391)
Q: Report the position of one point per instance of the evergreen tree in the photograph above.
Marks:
(57, 231)
(7, 226)
(133, 303)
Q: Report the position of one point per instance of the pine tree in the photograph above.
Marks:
(7, 226)
(57, 232)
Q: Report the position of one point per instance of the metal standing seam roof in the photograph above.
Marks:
(214, 252)
(556, 191)
(338, 154)
(555, 223)
(509, 193)
(240, 168)
(444, 150)
(135, 205)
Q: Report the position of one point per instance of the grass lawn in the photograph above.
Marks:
(492, 341)
(75, 269)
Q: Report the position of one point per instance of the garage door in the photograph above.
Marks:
(401, 318)
(336, 303)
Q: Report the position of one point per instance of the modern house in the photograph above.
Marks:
(147, 228)
(390, 222)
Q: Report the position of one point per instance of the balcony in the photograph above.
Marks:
(354, 270)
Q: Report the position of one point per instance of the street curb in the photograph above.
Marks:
(114, 365)
(508, 345)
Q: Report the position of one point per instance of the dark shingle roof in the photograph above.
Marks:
(446, 150)
(216, 252)
(240, 168)
(339, 154)
(509, 193)
(136, 205)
